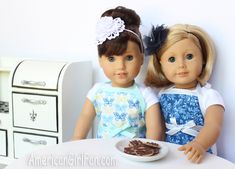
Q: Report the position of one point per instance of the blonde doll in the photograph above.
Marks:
(123, 107)
(181, 63)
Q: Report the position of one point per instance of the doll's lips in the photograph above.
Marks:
(182, 74)
(121, 74)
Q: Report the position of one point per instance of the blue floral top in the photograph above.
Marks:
(120, 112)
(184, 110)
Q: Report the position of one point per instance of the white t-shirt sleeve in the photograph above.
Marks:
(150, 96)
(210, 97)
(213, 97)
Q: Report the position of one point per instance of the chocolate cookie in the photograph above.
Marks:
(139, 148)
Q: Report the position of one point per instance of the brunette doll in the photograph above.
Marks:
(124, 108)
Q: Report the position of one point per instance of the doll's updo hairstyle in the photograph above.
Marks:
(178, 32)
(118, 45)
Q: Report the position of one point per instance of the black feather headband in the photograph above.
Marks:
(156, 38)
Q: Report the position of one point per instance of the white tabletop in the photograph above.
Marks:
(101, 153)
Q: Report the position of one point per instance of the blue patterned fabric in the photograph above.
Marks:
(183, 108)
(120, 111)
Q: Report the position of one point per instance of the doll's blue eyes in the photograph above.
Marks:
(111, 58)
(189, 56)
(172, 59)
(128, 58)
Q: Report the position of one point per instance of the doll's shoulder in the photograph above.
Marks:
(208, 92)
(95, 88)
(98, 85)
(209, 96)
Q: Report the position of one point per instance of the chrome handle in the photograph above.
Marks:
(31, 101)
(35, 142)
(33, 83)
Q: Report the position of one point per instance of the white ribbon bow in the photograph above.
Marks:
(188, 128)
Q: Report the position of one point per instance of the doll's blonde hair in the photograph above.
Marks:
(178, 32)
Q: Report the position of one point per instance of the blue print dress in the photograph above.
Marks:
(120, 112)
(184, 110)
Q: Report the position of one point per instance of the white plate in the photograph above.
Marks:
(120, 145)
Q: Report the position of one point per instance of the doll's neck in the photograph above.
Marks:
(189, 86)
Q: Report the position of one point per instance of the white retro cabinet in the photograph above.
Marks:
(45, 99)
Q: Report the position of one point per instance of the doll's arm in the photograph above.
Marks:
(84, 121)
(207, 136)
(154, 123)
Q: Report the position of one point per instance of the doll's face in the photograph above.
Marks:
(123, 69)
(182, 64)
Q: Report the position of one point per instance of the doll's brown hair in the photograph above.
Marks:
(118, 45)
(178, 32)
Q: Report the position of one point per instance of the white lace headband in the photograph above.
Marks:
(109, 28)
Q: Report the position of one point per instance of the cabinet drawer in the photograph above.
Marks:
(35, 111)
(38, 74)
(26, 142)
(3, 142)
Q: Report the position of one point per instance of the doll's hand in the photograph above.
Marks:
(194, 150)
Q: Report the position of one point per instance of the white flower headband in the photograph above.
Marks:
(109, 28)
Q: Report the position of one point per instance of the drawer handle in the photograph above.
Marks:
(33, 83)
(35, 142)
(25, 100)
